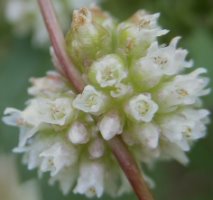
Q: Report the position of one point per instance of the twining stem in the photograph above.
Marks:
(130, 168)
(58, 43)
(67, 68)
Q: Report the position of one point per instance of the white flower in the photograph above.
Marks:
(184, 127)
(42, 110)
(108, 71)
(60, 155)
(139, 31)
(141, 108)
(183, 89)
(78, 133)
(173, 151)
(15, 117)
(169, 59)
(66, 178)
(11, 187)
(148, 134)
(113, 176)
(90, 101)
(158, 62)
(110, 125)
(51, 85)
(91, 179)
(39, 113)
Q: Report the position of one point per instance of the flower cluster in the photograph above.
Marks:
(25, 17)
(135, 88)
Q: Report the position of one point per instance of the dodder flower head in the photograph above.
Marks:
(135, 88)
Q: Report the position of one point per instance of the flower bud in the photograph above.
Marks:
(96, 148)
(89, 37)
(110, 125)
(148, 134)
(78, 133)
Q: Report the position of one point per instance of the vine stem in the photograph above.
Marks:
(119, 149)
(130, 168)
(58, 43)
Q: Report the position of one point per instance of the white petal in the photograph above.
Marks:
(91, 179)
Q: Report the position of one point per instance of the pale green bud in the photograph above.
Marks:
(90, 36)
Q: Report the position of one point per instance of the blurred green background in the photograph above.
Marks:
(191, 19)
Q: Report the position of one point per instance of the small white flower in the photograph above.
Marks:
(51, 85)
(114, 175)
(173, 151)
(141, 108)
(159, 61)
(185, 126)
(66, 178)
(42, 110)
(91, 179)
(169, 59)
(78, 133)
(148, 134)
(15, 117)
(183, 89)
(90, 101)
(110, 125)
(139, 31)
(58, 156)
(108, 71)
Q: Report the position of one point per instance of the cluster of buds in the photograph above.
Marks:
(135, 88)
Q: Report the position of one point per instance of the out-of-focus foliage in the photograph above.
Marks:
(193, 20)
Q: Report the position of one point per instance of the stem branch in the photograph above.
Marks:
(124, 157)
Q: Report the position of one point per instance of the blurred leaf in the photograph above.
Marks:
(200, 46)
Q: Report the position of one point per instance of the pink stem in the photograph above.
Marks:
(119, 149)
(130, 168)
(58, 43)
